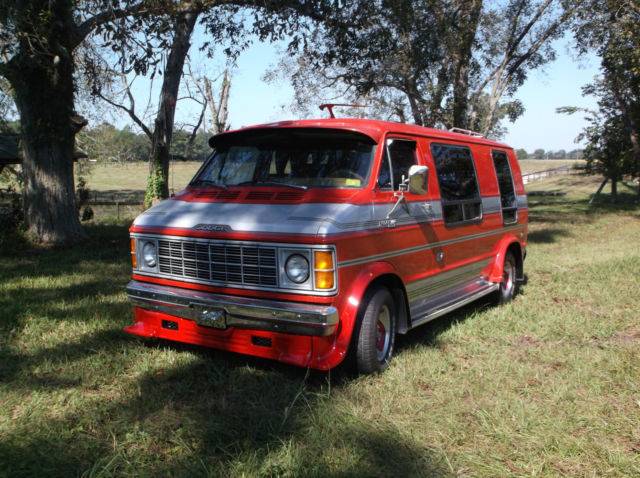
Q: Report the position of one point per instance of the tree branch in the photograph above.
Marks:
(130, 110)
(87, 26)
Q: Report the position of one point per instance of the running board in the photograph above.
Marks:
(448, 304)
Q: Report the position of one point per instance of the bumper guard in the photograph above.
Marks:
(242, 312)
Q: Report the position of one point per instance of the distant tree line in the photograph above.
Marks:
(558, 154)
(107, 142)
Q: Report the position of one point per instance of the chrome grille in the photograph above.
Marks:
(219, 262)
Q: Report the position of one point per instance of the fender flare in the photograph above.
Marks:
(495, 274)
(349, 307)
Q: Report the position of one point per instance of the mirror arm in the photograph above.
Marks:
(400, 195)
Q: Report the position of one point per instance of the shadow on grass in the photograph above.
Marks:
(206, 413)
(546, 236)
(429, 333)
(217, 413)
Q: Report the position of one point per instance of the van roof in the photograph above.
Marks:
(375, 129)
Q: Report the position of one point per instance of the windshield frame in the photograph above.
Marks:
(221, 141)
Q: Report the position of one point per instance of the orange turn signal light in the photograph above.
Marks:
(323, 260)
(134, 260)
(324, 269)
(324, 279)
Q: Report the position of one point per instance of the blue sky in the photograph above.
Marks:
(254, 101)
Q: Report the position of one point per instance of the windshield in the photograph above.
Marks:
(298, 158)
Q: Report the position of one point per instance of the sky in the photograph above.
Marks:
(253, 101)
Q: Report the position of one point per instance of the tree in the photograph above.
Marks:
(560, 154)
(609, 150)
(158, 182)
(612, 29)
(522, 154)
(105, 142)
(575, 154)
(455, 72)
(539, 154)
(40, 41)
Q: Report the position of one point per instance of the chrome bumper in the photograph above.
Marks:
(206, 308)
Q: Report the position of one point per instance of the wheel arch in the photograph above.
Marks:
(395, 285)
(508, 244)
(350, 305)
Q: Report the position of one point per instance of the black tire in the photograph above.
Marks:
(377, 316)
(509, 285)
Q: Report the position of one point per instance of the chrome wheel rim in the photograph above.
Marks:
(508, 278)
(383, 333)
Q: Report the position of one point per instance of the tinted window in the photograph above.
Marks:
(505, 184)
(458, 184)
(403, 156)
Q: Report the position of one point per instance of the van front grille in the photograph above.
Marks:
(221, 263)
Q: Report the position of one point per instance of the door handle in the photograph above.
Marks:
(440, 256)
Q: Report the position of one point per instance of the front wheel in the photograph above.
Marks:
(509, 285)
(376, 331)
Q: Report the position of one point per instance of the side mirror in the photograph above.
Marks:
(418, 179)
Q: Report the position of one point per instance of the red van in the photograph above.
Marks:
(306, 241)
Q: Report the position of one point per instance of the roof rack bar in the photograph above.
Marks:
(330, 106)
(467, 132)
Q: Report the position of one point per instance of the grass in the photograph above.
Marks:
(548, 385)
(535, 165)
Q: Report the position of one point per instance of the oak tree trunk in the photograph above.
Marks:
(44, 98)
(158, 183)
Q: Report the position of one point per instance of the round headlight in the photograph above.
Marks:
(297, 268)
(149, 254)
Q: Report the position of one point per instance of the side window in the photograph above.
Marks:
(458, 184)
(398, 157)
(505, 183)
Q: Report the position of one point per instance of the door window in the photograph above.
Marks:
(398, 157)
(459, 190)
(508, 198)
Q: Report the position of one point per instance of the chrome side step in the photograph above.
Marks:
(450, 301)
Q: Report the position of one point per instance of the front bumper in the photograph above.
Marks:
(239, 312)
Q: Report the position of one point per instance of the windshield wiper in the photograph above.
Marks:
(208, 182)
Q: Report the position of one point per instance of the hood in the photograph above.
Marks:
(305, 218)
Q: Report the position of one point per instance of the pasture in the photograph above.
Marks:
(107, 177)
(548, 385)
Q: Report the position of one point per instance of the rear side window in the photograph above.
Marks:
(505, 183)
(399, 156)
(459, 191)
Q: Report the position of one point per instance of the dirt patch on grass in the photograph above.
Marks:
(526, 341)
(628, 336)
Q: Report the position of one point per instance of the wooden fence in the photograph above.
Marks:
(538, 175)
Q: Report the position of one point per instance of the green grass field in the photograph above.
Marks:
(535, 165)
(548, 385)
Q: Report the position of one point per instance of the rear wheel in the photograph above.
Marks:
(376, 331)
(509, 284)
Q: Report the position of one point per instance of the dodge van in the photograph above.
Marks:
(312, 241)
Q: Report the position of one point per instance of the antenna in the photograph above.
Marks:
(330, 106)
